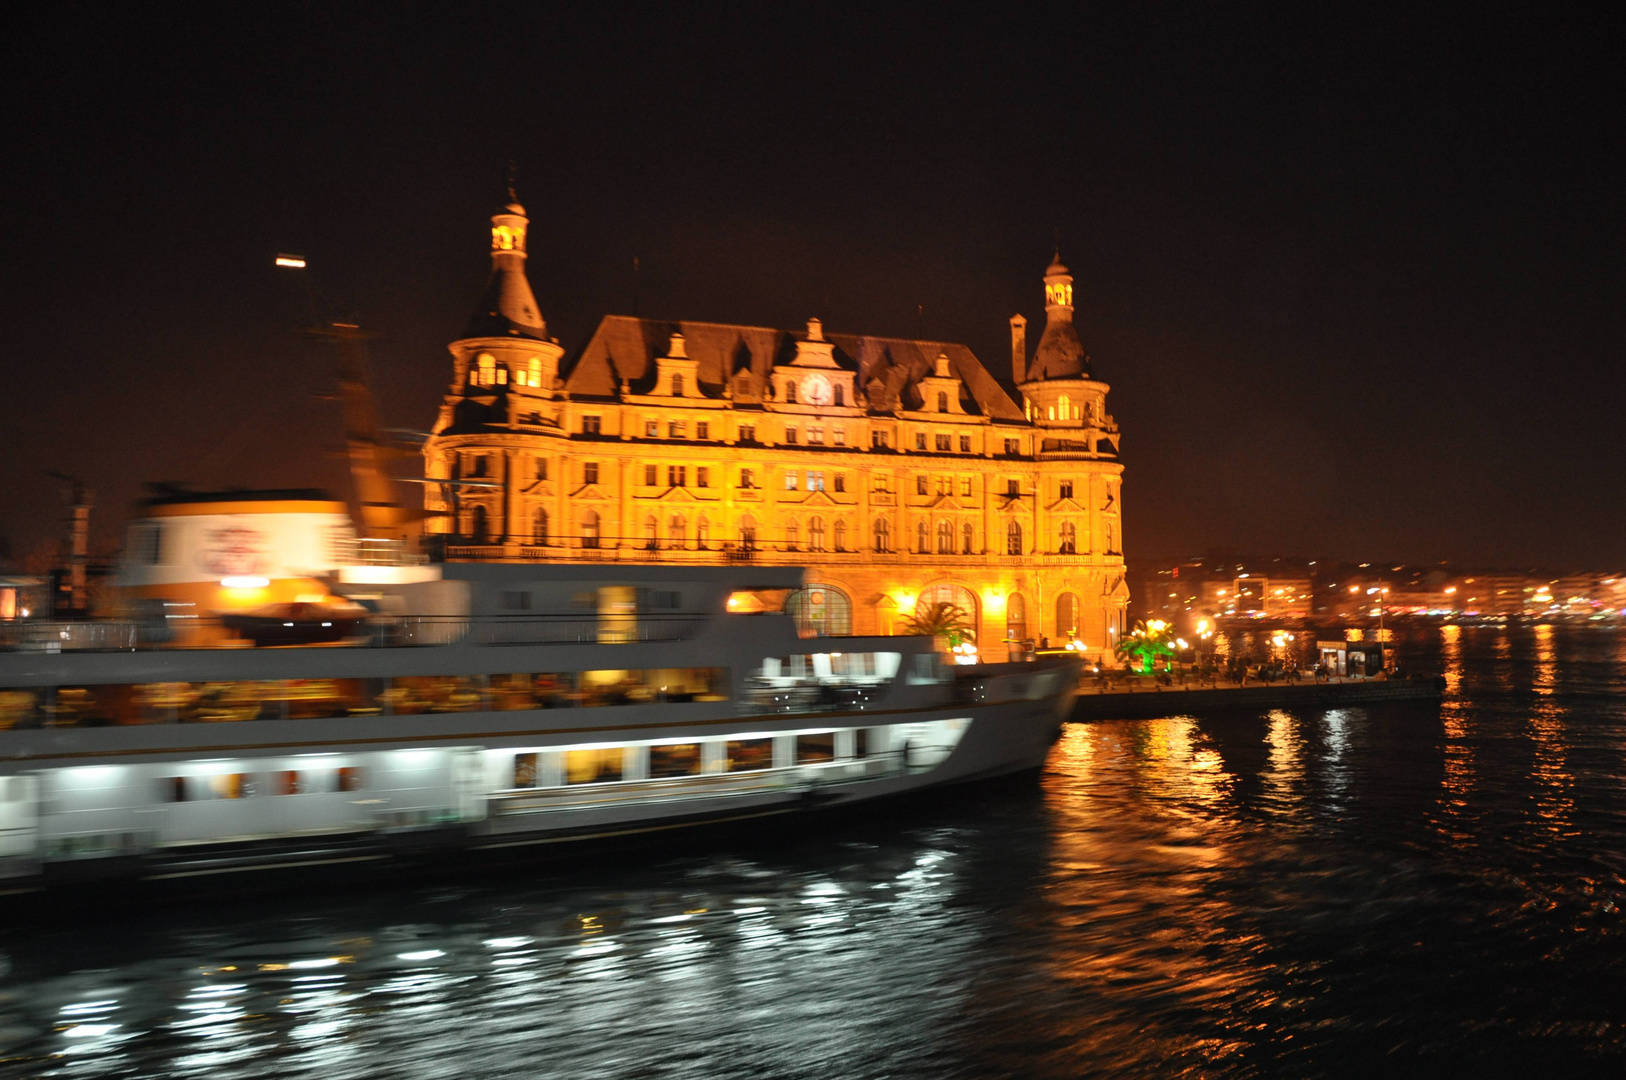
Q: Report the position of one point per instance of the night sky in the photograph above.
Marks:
(1355, 279)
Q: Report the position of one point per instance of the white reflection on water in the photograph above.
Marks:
(1335, 768)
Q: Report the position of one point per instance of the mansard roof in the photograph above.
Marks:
(886, 369)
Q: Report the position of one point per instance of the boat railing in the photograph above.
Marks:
(766, 696)
(380, 631)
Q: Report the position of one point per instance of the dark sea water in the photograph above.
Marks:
(1355, 892)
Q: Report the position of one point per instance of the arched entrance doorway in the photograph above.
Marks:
(945, 593)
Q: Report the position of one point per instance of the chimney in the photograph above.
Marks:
(1019, 349)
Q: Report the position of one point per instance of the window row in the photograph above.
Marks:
(670, 761)
(311, 699)
(486, 371)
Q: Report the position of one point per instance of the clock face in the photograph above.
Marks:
(818, 390)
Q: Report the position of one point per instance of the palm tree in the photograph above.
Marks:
(940, 620)
(1146, 642)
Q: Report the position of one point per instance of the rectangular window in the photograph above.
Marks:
(702, 429)
(525, 770)
(477, 465)
(677, 476)
(702, 476)
(747, 754)
(541, 468)
(593, 766)
(880, 482)
(592, 425)
(816, 749)
(1064, 489)
(877, 439)
(1013, 446)
(920, 440)
(965, 444)
(922, 485)
(516, 601)
(675, 429)
(841, 481)
(965, 486)
(815, 480)
(287, 782)
(748, 433)
(790, 435)
(839, 436)
(589, 472)
(678, 760)
(943, 443)
(652, 429)
(651, 475)
(351, 778)
(748, 478)
(1013, 489)
(945, 485)
(815, 436)
(790, 479)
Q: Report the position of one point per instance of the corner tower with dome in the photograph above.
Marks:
(898, 471)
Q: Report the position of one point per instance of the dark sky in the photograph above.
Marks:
(1355, 278)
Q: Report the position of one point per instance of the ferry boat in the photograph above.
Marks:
(499, 708)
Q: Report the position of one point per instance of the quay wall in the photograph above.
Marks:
(1154, 701)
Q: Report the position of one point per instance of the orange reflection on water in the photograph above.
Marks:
(1284, 782)
(1137, 841)
(1555, 804)
(1451, 657)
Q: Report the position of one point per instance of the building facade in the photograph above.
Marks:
(899, 472)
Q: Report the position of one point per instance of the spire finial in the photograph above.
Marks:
(513, 178)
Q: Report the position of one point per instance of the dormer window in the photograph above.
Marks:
(942, 401)
(790, 391)
(840, 397)
(677, 385)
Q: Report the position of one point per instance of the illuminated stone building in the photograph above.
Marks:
(898, 472)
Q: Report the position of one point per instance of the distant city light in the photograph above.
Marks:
(296, 262)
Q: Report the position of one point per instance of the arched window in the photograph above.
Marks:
(945, 537)
(922, 537)
(1016, 618)
(944, 593)
(1064, 406)
(841, 397)
(841, 536)
(539, 526)
(748, 532)
(1013, 538)
(790, 391)
(883, 535)
(968, 538)
(815, 534)
(590, 529)
(677, 531)
(651, 526)
(793, 536)
(485, 373)
(820, 611)
(1067, 616)
(1068, 544)
(480, 528)
(942, 401)
(702, 533)
(677, 385)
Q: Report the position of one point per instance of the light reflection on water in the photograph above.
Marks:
(1344, 892)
